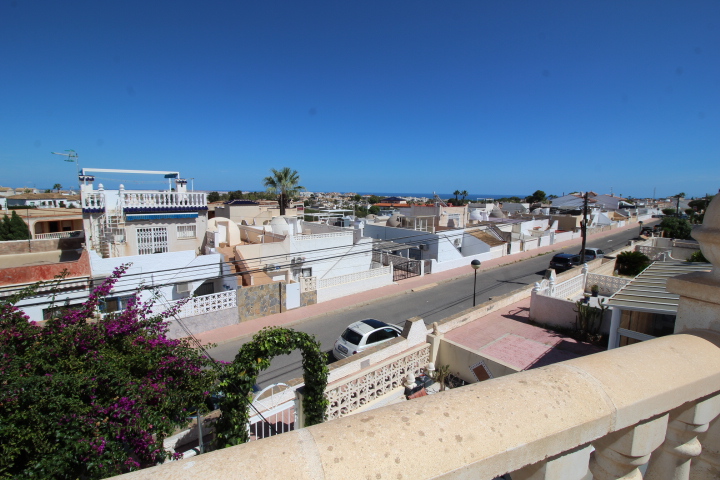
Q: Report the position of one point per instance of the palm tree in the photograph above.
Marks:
(456, 193)
(284, 184)
(57, 187)
(464, 194)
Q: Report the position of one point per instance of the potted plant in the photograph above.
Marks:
(595, 290)
(586, 298)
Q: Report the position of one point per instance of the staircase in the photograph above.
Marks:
(111, 230)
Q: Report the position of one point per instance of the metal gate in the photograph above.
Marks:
(272, 412)
(405, 269)
(402, 267)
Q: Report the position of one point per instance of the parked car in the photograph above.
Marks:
(363, 335)
(592, 254)
(564, 261)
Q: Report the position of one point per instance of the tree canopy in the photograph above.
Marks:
(537, 197)
(13, 228)
(285, 184)
(674, 227)
(89, 397)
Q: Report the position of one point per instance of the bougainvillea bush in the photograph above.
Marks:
(91, 397)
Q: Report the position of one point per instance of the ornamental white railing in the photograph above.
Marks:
(653, 253)
(608, 285)
(565, 289)
(93, 200)
(163, 199)
(353, 277)
(308, 284)
(352, 393)
(316, 236)
(208, 303)
(45, 236)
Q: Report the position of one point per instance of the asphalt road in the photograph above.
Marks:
(432, 304)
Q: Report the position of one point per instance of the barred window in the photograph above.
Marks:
(152, 240)
(186, 231)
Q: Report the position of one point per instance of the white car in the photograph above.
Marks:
(363, 335)
(592, 254)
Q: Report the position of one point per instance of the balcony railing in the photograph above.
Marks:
(163, 200)
(604, 414)
(150, 200)
(45, 236)
(93, 201)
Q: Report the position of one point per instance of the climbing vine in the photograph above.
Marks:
(240, 376)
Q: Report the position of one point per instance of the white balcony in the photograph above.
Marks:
(138, 200)
(54, 235)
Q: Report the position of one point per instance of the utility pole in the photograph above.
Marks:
(583, 228)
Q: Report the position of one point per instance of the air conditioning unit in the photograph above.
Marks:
(184, 287)
(424, 247)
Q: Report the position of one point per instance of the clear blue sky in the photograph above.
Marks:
(497, 96)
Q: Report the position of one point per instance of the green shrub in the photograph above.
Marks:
(698, 257)
(676, 228)
(631, 263)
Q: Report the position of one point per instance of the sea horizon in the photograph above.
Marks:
(471, 196)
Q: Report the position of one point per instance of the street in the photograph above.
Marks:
(432, 304)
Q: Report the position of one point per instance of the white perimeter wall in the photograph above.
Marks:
(331, 293)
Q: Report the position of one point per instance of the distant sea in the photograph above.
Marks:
(471, 196)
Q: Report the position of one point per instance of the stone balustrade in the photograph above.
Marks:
(650, 407)
(655, 397)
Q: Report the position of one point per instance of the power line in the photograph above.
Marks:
(197, 271)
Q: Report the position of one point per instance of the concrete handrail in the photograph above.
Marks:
(616, 401)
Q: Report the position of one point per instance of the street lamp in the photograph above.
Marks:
(475, 264)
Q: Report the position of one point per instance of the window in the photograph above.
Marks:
(205, 289)
(185, 231)
(381, 335)
(152, 240)
(115, 304)
(306, 272)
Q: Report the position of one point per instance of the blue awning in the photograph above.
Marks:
(159, 216)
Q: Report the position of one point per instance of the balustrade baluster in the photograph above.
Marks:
(619, 454)
(681, 445)
(572, 465)
(707, 465)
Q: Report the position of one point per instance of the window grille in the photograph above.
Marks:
(152, 240)
(185, 231)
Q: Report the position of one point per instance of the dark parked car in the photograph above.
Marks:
(564, 261)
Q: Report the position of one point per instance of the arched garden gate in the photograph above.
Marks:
(240, 376)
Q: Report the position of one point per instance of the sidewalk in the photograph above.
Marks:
(295, 316)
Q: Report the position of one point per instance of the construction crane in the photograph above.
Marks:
(72, 157)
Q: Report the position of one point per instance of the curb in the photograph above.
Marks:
(420, 288)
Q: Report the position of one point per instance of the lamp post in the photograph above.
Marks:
(475, 264)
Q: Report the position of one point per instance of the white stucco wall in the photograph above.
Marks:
(473, 246)
(164, 270)
(331, 293)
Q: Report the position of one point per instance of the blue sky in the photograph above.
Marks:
(403, 96)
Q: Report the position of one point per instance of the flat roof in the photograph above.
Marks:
(648, 292)
(39, 258)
